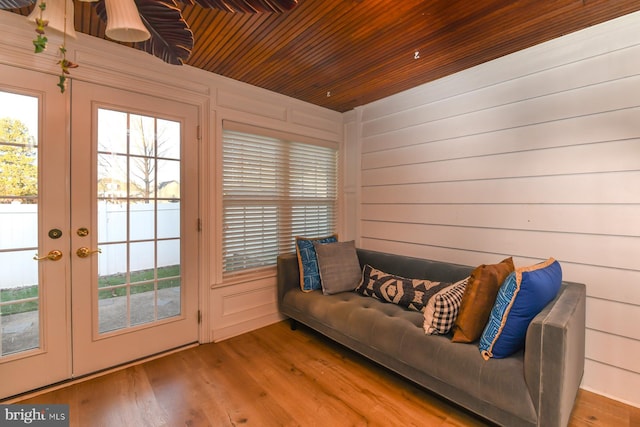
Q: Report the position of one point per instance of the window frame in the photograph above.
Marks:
(285, 203)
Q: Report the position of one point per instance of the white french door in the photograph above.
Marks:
(112, 218)
(34, 211)
(134, 210)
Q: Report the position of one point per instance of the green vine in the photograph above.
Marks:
(40, 44)
(65, 64)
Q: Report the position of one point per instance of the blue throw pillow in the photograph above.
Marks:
(524, 293)
(308, 261)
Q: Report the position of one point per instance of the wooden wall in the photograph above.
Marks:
(533, 155)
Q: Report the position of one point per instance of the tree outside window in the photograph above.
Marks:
(18, 163)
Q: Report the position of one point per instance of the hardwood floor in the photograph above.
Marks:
(277, 377)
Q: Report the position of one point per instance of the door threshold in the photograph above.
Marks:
(71, 381)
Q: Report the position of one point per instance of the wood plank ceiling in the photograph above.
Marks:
(340, 54)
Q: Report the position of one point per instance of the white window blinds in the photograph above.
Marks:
(274, 189)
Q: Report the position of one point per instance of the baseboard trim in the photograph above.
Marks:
(231, 331)
(87, 377)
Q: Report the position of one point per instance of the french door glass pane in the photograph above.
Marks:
(19, 286)
(138, 219)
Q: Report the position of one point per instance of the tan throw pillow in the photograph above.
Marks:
(478, 299)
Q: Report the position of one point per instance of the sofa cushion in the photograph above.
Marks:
(522, 296)
(308, 261)
(339, 266)
(478, 299)
(408, 293)
(394, 337)
(442, 309)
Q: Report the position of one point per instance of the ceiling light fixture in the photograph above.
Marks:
(124, 23)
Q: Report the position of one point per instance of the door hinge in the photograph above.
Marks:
(198, 131)
(199, 317)
(199, 224)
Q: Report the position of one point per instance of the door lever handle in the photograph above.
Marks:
(53, 255)
(85, 252)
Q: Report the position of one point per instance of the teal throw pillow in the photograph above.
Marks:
(308, 261)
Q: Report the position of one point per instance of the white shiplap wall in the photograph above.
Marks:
(533, 155)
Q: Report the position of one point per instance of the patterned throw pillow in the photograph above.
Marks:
(442, 309)
(308, 261)
(409, 293)
(522, 296)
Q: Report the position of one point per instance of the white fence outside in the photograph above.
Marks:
(19, 229)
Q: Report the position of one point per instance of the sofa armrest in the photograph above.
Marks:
(288, 275)
(554, 355)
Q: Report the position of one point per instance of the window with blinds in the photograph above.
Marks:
(274, 188)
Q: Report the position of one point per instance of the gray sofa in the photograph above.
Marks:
(534, 387)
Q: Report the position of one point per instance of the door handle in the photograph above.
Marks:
(53, 255)
(85, 252)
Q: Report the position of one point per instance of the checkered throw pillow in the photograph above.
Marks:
(442, 309)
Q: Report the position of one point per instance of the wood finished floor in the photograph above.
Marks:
(277, 377)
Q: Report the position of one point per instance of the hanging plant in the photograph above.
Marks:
(40, 42)
(65, 64)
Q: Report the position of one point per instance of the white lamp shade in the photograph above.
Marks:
(59, 13)
(123, 21)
